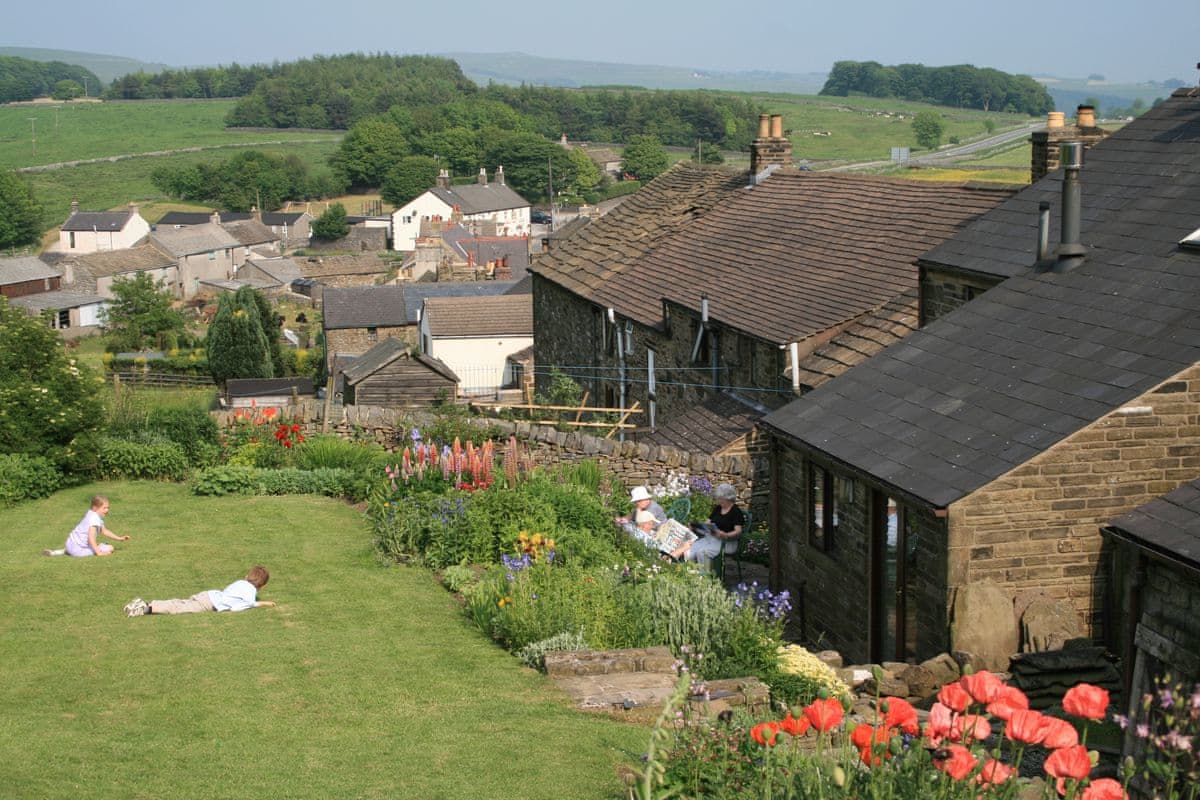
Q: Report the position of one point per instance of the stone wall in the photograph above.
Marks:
(1037, 528)
(356, 341)
(942, 291)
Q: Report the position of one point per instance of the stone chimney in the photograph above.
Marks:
(443, 179)
(500, 175)
(771, 148)
(563, 141)
(75, 206)
(503, 270)
(256, 213)
(133, 209)
(215, 219)
(1047, 144)
(482, 178)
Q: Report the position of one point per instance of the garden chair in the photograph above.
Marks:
(681, 510)
(741, 543)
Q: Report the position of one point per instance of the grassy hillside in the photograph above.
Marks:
(107, 68)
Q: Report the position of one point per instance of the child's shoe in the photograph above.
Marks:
(136, 607)
(49, 552)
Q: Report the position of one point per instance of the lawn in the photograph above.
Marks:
(365, 682)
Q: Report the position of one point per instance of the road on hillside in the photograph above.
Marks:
(950, 154)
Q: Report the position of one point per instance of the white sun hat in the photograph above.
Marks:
(639, 493)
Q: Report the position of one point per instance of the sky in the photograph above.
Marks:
(1126, 41)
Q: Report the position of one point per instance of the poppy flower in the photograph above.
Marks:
(869, 735)
(954, 697)
(1104, 789)
(970, 728)
(982, 685)
(1086, 700)
(824, 714)
(1058, 734)
(940, 720)
(1069, 763)
(765, 733)
(994, 773)
(900, 714)
(1006, 701)
(958, 762)
(1026, 726)
(789, 724)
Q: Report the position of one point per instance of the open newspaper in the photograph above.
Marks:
(672, 535)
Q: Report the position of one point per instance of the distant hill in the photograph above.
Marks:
(106, 68)
(517, 68)
(1068, 93)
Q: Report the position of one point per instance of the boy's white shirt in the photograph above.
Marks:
(237, 596)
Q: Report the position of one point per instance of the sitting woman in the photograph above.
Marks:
(722, 530)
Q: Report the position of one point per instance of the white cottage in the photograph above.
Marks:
(474, 336)
(97, 231)
(479, 204)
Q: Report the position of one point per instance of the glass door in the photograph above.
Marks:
(893, 577)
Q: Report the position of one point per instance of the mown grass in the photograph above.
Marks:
(364, 682)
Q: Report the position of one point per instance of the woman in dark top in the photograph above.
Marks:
(725, 525)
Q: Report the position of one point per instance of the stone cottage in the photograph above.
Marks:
(995, 441)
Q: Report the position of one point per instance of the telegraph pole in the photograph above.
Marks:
(33, 133)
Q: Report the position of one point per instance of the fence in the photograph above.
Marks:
(159, 379)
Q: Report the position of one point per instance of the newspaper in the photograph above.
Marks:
(672, 535)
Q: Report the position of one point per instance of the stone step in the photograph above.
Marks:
(619, 690)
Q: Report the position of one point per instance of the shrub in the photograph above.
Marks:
(189, 425)
(458, 577)
(153, 460)
(325, 451)
(24, 477)
(224, 480)
(534, 654)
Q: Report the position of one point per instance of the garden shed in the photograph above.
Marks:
(245, 392)
(389, 375)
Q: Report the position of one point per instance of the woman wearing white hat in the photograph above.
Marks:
(642, 501)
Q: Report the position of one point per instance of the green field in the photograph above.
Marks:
(365, 681)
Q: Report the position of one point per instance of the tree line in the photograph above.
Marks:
(961, 86)
(22, 79)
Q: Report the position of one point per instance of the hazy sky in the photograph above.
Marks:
(1127, 41)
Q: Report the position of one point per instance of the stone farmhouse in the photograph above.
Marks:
(1051, 389)
(290, 228)
(704, 295)
(486, 208)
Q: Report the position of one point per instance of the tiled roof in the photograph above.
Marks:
(250, 231)
(284, 270)
(201, 217)
(874, 331)
(385, 353)
(194, 239)
(364, 307)
(25, 268)
(1042, 355)
(504, 315)
(707, 426)
(55, 300)
(476, 198)
(1169, 525)
(415, 293)
(97, 221)
(114, 262)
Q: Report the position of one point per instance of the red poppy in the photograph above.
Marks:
(970, 728)
(940, 720)
(765, 733)
(792, 726)
(994, 773)
(1086, 700)
(900, 714)
(1027, 726)
(958, 764)
(287, 444)
(868, 735)
(824, 714)
(1006, 701)
(982, 685)
(1104, 789)
(295, 429)
(954, 697)
(1069, 763)
(1058, 734)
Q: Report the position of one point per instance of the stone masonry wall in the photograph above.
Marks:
(356, 341)
(1037, 528)
(943, 291)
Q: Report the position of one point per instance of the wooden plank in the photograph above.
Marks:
(582, 405)
(533, 406)
(633, 409)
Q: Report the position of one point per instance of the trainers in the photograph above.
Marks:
(49, 552)
(136, 607)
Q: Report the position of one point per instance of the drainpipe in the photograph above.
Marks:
(612, 321)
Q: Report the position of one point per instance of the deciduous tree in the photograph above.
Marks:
(408, 179)
(927, 129)
(645, 158)
(20, 213)
(369, 150)
(332, 224)
(139, 314)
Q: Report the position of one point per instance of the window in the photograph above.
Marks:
(212, 255)
(651, 387)
(64, 318)
(372, 335)
(827, 492)
(72, 236)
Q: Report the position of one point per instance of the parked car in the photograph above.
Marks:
(540, 217)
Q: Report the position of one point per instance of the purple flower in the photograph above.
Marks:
(1166, 698)
(416, 434)
(1143, 731)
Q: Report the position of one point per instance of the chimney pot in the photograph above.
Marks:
(1086, 116)
(74, 206)
(777, 126)
(482, 179)
(1055, 119)
(764, 126)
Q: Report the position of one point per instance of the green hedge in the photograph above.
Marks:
(25, 477)
(226, 480)
(121, 458)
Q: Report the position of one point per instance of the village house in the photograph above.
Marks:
(356, 318)
(290, 228)
(22, 275)
(474, 336)
(992, 444)
(483, 203)
(95, 231)
(94, 273)
(448, 251)
(709, 290)
(202, 252)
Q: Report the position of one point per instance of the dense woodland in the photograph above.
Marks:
(962, 86)
(22, 79)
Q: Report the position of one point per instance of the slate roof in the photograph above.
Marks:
(800, 253)
(1042, 355)
(284, 270)
(364, 307)
(250, 231)
(1168, 525)
(707, 426)
(114, 262)
(476, 198)
(201, 217)
(482, 249)
(415, 293)
(385, 353)
(881, 328)
(262, 387)
(503, 315)
(97, 220)
(54, 300)
(25, 268)
(194, 239)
